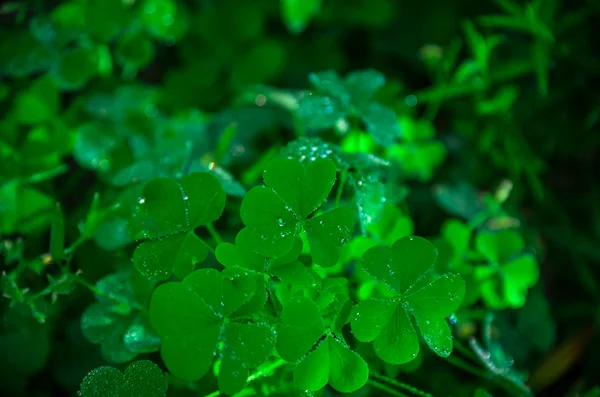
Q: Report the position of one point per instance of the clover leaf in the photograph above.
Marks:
(243, 259)
(509, 273)
(351, 96)
(140, 379)
(167, 215)
(320, 353)
(277, 213)
(361, 172)
(403, 268)
(419, 153)
(202, 312)
(116, 321)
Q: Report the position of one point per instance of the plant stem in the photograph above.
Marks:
(459, 363)
(264, 371)
(210, 248)
(101, 293)
(400, 385)
(214, 233)
(385, 388)
(340, 190)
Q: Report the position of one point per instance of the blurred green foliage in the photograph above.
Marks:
(471, 123)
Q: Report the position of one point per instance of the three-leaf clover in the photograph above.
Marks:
(320, 353)
(116, 322)
(206, 313)
(403, 268)
(166, 217)
(350, 96)
(419, 153)
(277, 213)
(140, 379)
(510, 273)
(243, 259)
(360, 171)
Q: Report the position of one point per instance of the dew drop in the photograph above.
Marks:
(142, 200)
(281, 222)
(452, 319)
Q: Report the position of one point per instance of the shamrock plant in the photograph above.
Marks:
(277, 213)
(509, 272)
(237, 204)
(404, 268)
(318, 350)
(166, 217)
(338, 98)
(209, 312)
(117, 321)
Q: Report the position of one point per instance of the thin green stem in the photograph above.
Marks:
(264, 371)
(101, 293)
(400, 385)
(459, 363)
(464, 350)
(210, 248)
(385, 388)
(214, 233)
(340, 190)
(69, 250)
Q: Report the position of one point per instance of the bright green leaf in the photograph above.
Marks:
(140, 379)
(167, 215)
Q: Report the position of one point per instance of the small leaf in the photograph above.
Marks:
(403, 268)
(210, 301)
(141, 379)
(275, 214)
(167, 215)
(319, 112)
(321, 356)
(381, 122)
(362, 85)
(301, 327)
(297, 13)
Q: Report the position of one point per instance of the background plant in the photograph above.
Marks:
(258, 171)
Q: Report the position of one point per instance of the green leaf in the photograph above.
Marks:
(109, 321)
(361, 170)
(361, 85)
(37, 104)
(301, 327)
(134, 50)
(499, 247)
(330, 84)
(296, 14)
(320, 355)
(327, 232)
(57, 234)
(141, 379)
(319, 112)
(275, 214)
(460, 200)
(76, 67)
(403, 267)
(209, 300)
(162, 18)
(241, 258)
(167, 215)
(392, 225)
(381, 122)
